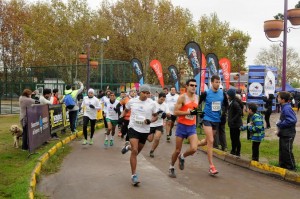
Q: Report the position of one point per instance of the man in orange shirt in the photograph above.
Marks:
(186, 110)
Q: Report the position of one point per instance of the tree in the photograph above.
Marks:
(217, 37)
(273, 57)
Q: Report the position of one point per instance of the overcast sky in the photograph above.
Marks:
(245, 15)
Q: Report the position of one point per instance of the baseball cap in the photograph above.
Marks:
(145, 88)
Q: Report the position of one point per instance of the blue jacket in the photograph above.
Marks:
(287, 122)
(257, 130)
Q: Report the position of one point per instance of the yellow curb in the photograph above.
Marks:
(52, 151)
(72, 137)
(268, 168)
(66, 140)
(38, 168)
(33, 181)
(30, 194)
(292, 176)
(44, 158)
(59, 145)
(80, 133)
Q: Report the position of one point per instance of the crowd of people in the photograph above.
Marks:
(141, 118)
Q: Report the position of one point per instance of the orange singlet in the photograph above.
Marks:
(188, 106)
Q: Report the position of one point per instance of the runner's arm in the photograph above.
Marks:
(178, 106)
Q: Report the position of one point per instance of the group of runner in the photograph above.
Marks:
(142, 119)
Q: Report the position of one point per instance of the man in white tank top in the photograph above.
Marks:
(171, 100)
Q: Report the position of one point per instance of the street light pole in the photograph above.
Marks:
(88, 67)
(283, 81)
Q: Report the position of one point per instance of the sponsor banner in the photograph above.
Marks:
(138, 69)
(212, 64)
(258, 86)
(226, 69)
(38, 126)
(203, 72)
(174, 74)
(194, 55)
(56, 116)
(156, 66)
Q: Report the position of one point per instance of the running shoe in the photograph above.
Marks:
(213, 170)
(106, 143)
(134, 180)
(84, 142)
(111, 143)
(172, 173)
(125, 148)
(91, 142)
(168, 138)
(152, 154)
(181, 162)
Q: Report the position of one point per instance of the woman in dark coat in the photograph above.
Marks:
(268, 100)
(235, 112)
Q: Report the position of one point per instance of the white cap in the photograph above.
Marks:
(91, 91)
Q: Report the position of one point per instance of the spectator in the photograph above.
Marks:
(74, 111)
(54, 98)
(45, 98)
(234, 121)
(256, 129)
(24, 102)
(269, 101)
(286, 132)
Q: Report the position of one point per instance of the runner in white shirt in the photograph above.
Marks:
(171, 100)
(156, 128)
(104, 100)
(90, 105)
(143, 112)
(111, 118)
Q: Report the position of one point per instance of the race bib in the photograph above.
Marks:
(216, 106)
(139, 120)
(189, 117)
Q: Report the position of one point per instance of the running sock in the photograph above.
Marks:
(106, 137)
(111, 137)
(171, 167)
(181, 156)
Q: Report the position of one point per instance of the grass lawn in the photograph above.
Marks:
(16, 166)
(268, 150)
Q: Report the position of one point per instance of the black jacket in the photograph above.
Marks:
(235, 115)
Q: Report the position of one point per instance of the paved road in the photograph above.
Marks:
(95, 172)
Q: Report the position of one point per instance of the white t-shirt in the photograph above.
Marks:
(163, 107)
(110, 111)
(140, 110)
(104, 101)
(91, 112)
(171, 101)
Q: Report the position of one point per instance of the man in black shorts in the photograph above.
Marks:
(171, 100)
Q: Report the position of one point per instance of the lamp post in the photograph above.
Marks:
(102, 42)
(286, 16)
(86, 58)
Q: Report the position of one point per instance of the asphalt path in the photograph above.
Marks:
(96, 172)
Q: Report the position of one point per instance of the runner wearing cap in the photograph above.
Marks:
(143, 113)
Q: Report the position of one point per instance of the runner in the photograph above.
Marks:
(186, 110)
(214, 98)
(104, 100)
(111, 118)
(124, 121)
(91, 105)
(143, 113)
(156, 128)
(171, 100)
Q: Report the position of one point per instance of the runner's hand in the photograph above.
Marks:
(92, 106)
(147, 121)
(163, 115)
(194, 111)
(160, 111)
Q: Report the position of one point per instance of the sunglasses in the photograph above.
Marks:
(193, 85)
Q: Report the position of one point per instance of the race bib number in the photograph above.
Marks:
(189, 117)
(216, 106)
(139, 120)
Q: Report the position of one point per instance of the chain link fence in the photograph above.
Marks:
(14, 81)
